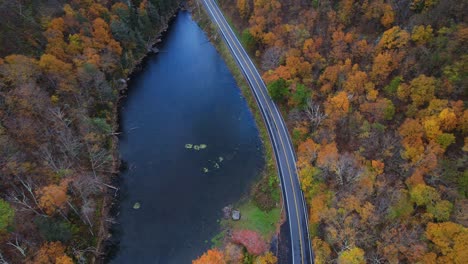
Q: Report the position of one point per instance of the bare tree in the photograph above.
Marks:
(66, 148)
(70, 144)
(25, 196)
(314, 113)
(18, 246)
(271, 58)
(48, 157)
(99, 158)
(87, 210)
(85, 186)
(22, 199)
(346, 169)
(2, 259)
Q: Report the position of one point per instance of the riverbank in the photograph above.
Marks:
(109, 205)
(262, 209)
(191, 147)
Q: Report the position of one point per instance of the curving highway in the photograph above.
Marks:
(286, 162)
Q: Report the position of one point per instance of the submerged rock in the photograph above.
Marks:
(136, 206)
(188, 146)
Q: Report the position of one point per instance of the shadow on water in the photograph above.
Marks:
(171, 196)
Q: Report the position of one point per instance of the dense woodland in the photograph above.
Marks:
(63, 65)
(374, 93)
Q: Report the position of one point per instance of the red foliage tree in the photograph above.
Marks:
(251, 240)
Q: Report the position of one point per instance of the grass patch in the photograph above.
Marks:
(253, 218)
(218, 239)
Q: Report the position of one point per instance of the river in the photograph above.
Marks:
(183, 95)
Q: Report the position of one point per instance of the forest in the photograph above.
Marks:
(374, 93)
(63, 67)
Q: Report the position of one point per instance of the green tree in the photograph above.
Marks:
(441, 210)
(278, 90)
(7, 213)
(248, 40)
(392, 87)
(389, 110)
(54, 230)
(445, 139)
(299, 97)
(424, 195)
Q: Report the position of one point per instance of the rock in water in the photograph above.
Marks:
(136, 206)
(227, 210)
(236, 215)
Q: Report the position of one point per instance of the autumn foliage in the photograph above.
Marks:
(62, 69)
(212, 256)
(381, 138)
(53, 252)
(251, 240)
(53, 197)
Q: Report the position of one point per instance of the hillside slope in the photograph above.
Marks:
(62, 70)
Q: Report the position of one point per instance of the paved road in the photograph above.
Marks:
(294, 201)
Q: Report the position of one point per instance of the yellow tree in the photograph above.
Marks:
(432, 128)
(322, 251)
(53, 197)
(58, 71)
(345, 10)
(422, 89)
(388, 16)
(267, 258)
(355, 84)
(53, 252)
(310, 49)
(447, 119)
(212, 256)
(384, 64)
(394, 38)
(337, 107)
(450, 240)
(307, 152)
(353, 255)
(423, 195)
(243, 7)
(327, 155)
(55, 38)
(421, 35)
(412, 132)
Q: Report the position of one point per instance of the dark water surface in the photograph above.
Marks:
(184, 95)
